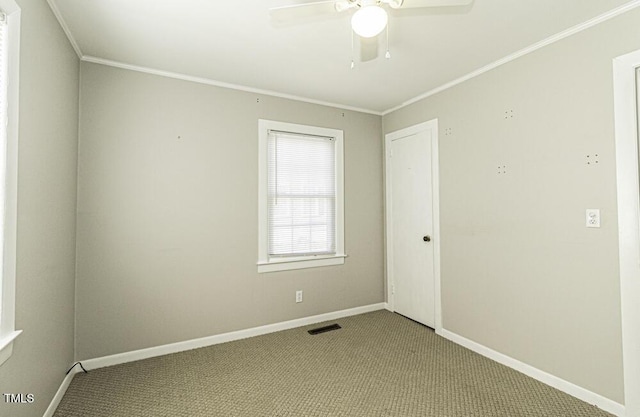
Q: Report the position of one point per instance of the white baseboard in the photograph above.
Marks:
(223, 338)
(198, 343)
(53, 405)
(551, 380)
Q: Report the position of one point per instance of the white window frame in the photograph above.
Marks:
(266, 264)
(8, 333)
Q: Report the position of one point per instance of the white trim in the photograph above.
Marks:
(288, 264)
(55, 402)
(544, 377)
(548, 41)
(302, 259)
(6, 345)
(552, 39)
(223, 338)
(432, 126)
(435, 194)
(208, 81)
(8, 279)
(626, 137)
(284, 264)
(56, 12)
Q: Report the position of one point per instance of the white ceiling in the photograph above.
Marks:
(235, 42)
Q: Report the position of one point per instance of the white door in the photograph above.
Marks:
(410, 223)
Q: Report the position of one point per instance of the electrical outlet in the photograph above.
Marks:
(593, 218)
(299, 296)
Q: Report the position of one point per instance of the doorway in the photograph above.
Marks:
(626, 96)
(412, 223)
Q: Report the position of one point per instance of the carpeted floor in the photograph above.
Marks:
(379, 364)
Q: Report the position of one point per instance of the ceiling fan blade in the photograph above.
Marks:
(368, 49)
(302, 11)
(411, 4)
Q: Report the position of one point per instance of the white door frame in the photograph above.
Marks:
(626, 139)
(431, 125)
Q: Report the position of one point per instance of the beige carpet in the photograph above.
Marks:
(378, 364)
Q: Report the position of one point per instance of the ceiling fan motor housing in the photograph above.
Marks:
(342, 5)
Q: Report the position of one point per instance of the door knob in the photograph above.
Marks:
(427, 238)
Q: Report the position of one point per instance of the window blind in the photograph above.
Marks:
(301, 195)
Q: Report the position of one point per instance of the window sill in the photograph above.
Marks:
(287, 264)
(6, 345)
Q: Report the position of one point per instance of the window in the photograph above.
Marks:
(9, 59)
(301, 208)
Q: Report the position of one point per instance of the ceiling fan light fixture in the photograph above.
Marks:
(369, 21)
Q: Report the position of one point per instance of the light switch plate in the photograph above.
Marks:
(593, 217)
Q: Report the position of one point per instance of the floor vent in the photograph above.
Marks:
(324, 329)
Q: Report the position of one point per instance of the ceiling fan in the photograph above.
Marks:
(369, 19)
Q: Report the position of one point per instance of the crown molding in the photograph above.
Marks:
(208, 81)
(54, 8)
(531, 48)
(534, 47)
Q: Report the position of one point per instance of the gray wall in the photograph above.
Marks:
(521, 274)
(167, 226)
(49, 75)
